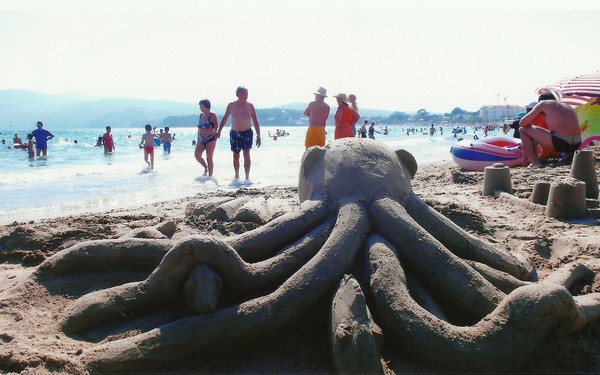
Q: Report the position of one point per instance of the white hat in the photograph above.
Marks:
(321, 92)
(530, 105)
(342, 97)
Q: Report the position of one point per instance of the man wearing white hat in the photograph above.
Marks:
(317, 112)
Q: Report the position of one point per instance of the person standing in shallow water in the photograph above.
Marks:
(166, 140)
(29, 146)
(317, 112)
(241, 136)
(372, 130)
(42, 136)
(207, 137)
(107, 141)
(147, 144)
(363, 129)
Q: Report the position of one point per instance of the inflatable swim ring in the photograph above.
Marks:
(477, 154)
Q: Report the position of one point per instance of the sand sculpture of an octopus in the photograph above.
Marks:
(438, 293)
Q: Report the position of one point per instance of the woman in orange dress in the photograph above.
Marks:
(345, 118)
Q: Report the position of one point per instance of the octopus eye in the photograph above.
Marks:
(408, 160)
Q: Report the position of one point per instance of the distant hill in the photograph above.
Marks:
(21, 109)
(365, 113)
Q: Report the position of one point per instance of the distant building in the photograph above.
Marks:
(461, 117)
(499, 112)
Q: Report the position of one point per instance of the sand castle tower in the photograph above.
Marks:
(540, 193)
(566, 199)
(584, 169)
(496, 177)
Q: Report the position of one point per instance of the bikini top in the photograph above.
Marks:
(206, 124)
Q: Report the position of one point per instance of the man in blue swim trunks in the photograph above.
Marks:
(42, 136)
(241, 136)
(563, 133)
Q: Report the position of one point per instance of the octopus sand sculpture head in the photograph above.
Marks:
(348, 167)
(450, 300)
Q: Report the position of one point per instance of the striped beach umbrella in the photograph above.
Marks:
(583, 93)
(575, 91)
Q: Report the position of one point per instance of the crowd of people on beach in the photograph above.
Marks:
(548, 123)
(345, 119)
(243, 117)
(561, 131)
(38, 138)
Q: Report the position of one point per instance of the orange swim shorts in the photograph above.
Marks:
(315, 136)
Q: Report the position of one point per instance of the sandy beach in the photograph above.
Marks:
(31, 340)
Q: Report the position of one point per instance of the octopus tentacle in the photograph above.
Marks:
(355, 339)
(262, 242)
(568, 274)
(124, 300)
(588, 305)
(505, 339)
(185, 336)
(588, 310)
(289, 259)
(422, 296)
(450, 278)
(500, 279)
(102, 254)
(463, 244)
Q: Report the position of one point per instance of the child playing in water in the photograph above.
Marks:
(166, 140)
(30, 152)
(148, 144)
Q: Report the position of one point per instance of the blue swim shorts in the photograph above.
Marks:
(240, 140)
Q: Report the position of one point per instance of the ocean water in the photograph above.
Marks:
(79, 177)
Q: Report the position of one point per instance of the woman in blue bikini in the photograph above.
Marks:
(207, 139)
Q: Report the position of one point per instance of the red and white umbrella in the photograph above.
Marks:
(575, 91)
(582, 93)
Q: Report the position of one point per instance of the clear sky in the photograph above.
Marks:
(393, 54)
